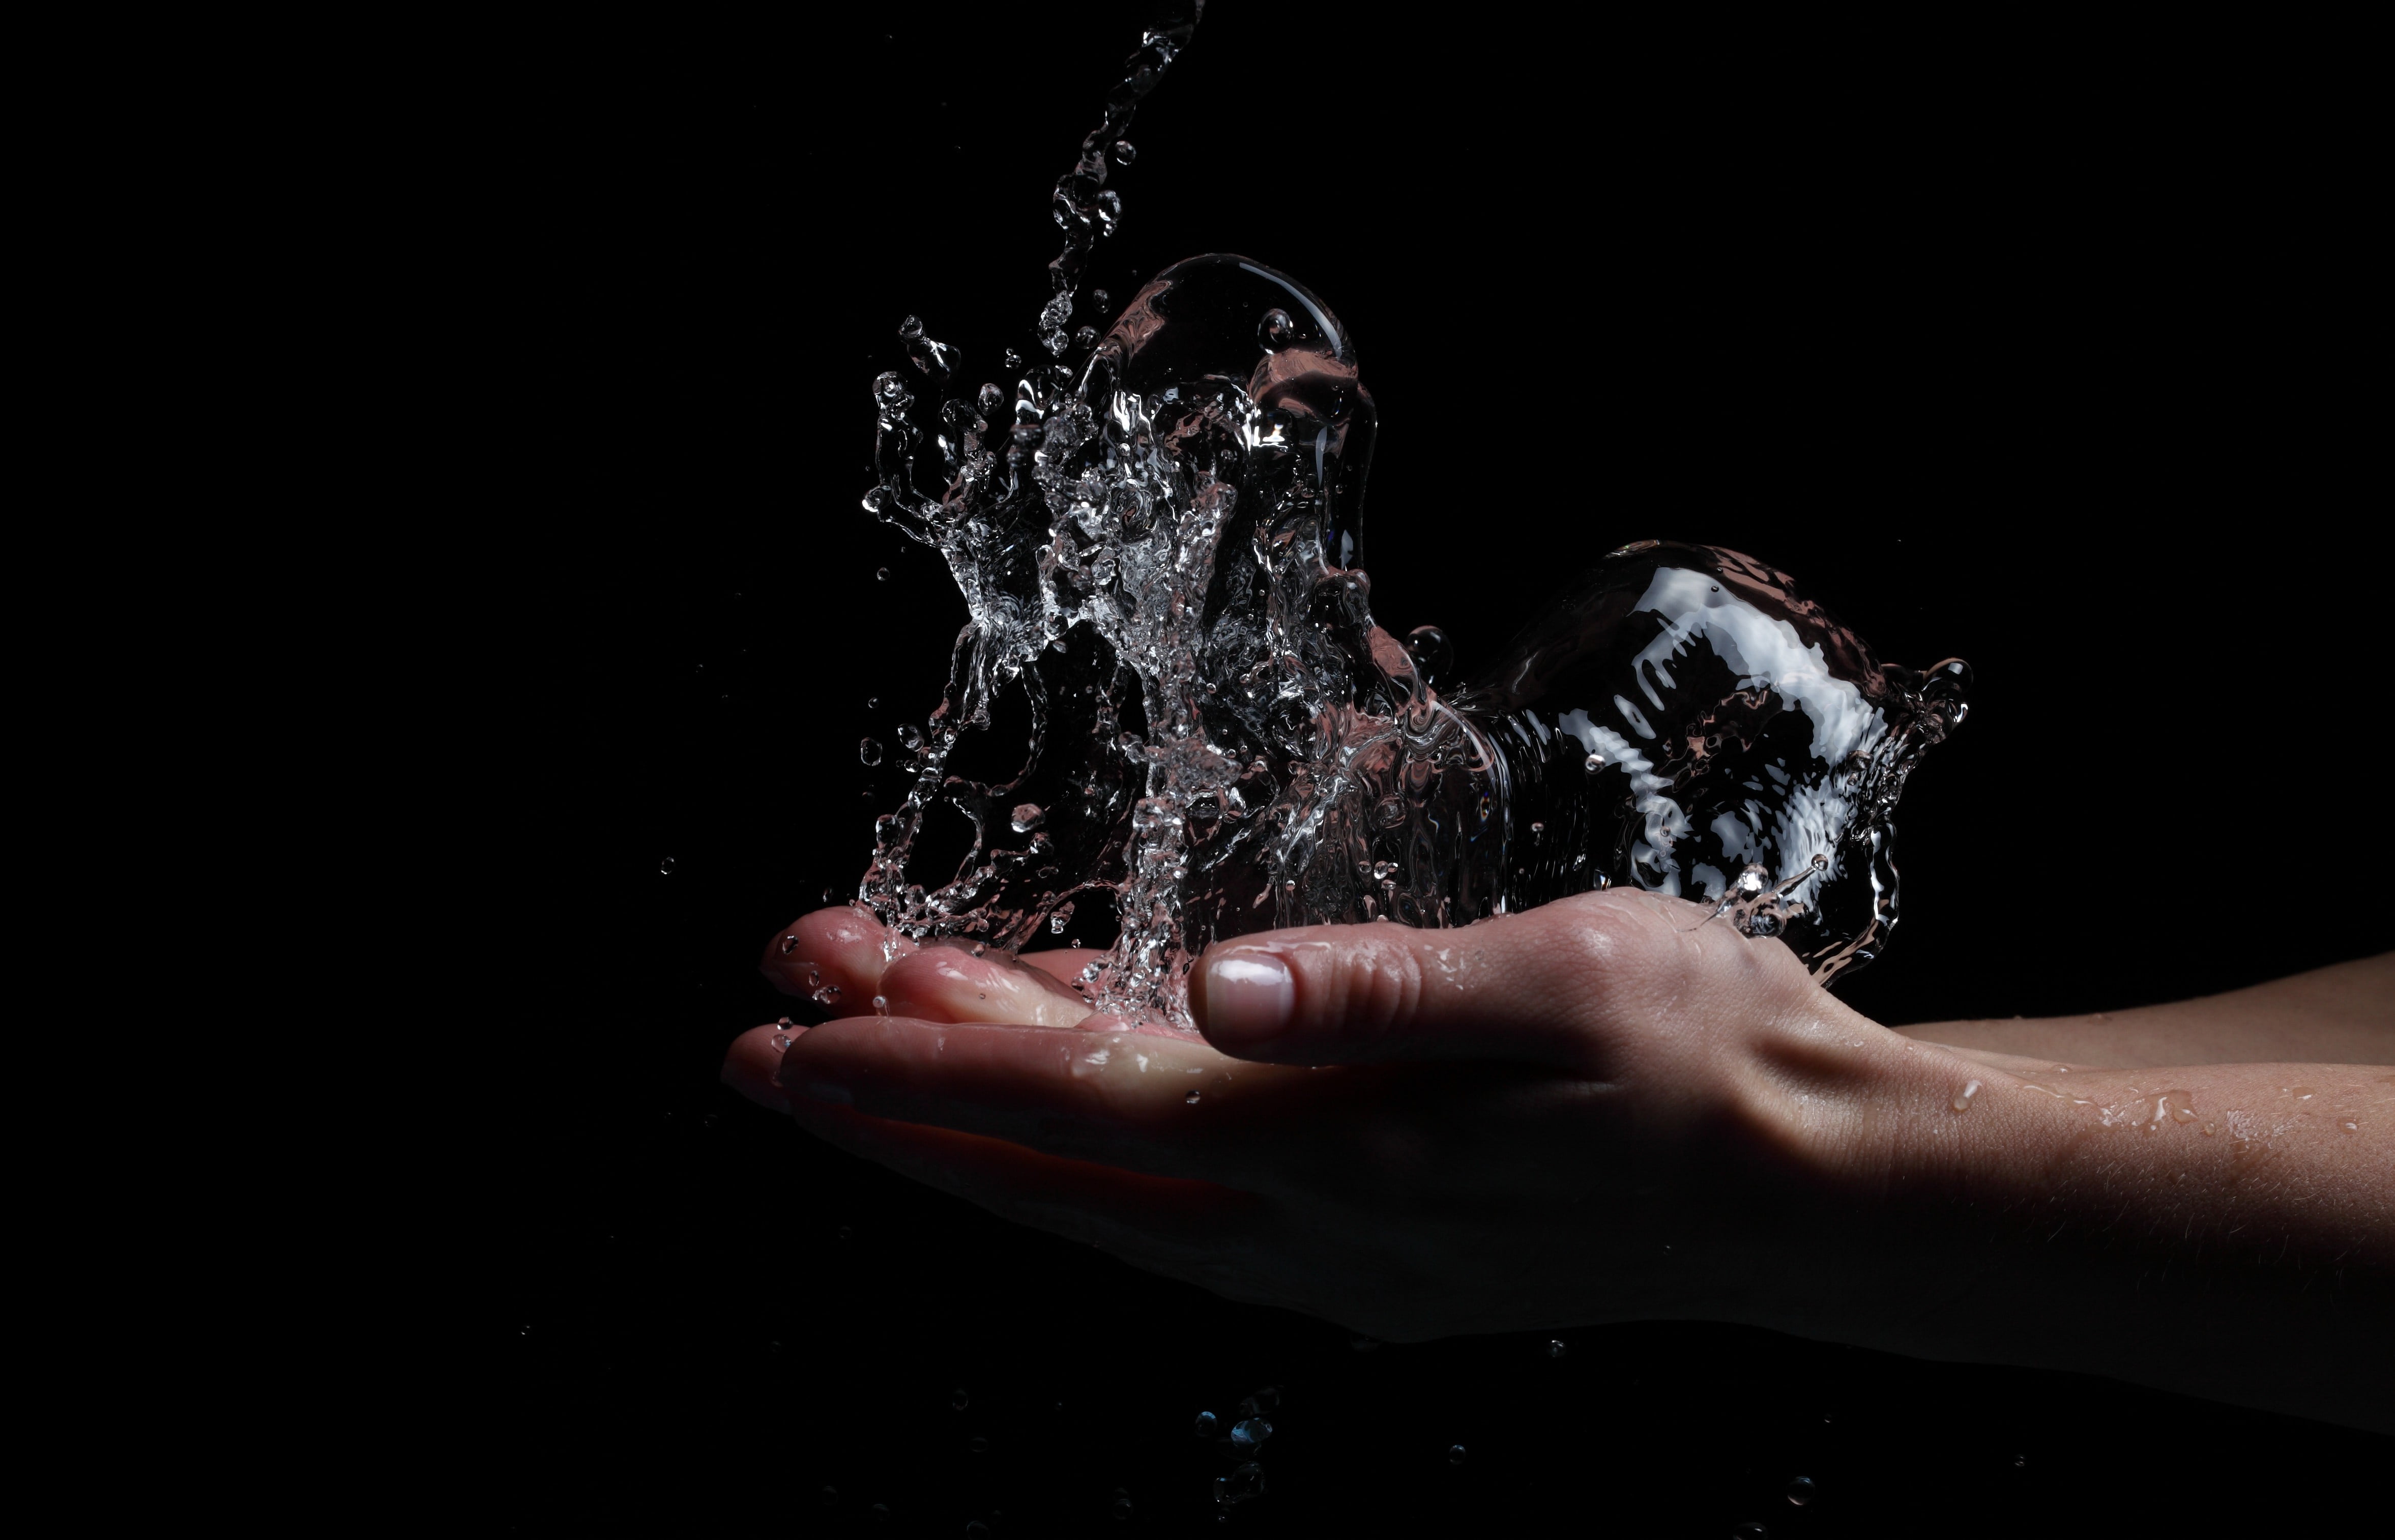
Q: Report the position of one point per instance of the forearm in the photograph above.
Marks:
(2340, 1015)
(2223, 1230)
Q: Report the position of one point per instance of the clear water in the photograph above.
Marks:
(1158, 537)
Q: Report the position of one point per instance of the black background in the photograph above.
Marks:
(2040, 350)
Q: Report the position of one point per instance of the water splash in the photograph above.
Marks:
(1159, 556)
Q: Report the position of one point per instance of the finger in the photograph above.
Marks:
(1067, 964)
(950, 984)
(1518, 987)
(753, 1061)
(834, 958)
(1142, 1101)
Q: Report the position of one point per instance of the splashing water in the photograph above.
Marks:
(1160, 559)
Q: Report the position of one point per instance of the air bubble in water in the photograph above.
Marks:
(870, 750)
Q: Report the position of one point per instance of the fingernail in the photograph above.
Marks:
(1248, 994)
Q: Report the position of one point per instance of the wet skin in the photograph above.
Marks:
(1605, 1110)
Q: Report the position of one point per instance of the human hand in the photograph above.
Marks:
(1604, 1109)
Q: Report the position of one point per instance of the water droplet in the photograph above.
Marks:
(1433, 652)
(826, 995)
(1276, 329)
(976, 1528)
(1062, 918)
(1014, 359)
(882, 1004)
(1557, 1348)
(781, 1041)
(1207, 1423)
(881, 575)
(879, 1513)
(666, 866)
(1537, 831)
(2020, 1461)
(1455, 1455)
(1750, 1531)
(1249, 1434)
(1125, 153)
(1085, 336)
(1962, 1102)
(1800, 1491)
(1190, 1099)
(869, 751)
(873, 703)
(1121, 1509)
(911, 735)
(789, 943)
(888, 389)
(1026, 817)
(959, 1400)
(828, 1497)
(978, 1444)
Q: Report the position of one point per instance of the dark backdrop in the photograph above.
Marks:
(2038, 350)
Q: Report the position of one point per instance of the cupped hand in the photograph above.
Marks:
(1595, 1111)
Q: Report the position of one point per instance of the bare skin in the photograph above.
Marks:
(1603, 1110)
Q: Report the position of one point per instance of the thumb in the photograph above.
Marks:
(1514, 987)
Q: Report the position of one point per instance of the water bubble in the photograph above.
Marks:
(1557, 1348)
(1207, 1422)
(1455, 1455)
(1026, 817)
(1276, 329)
(870, 750)
(1240, 1485)
(1800, 1491)
(666, 867)
(1249, 1434)
(959, 1400)
(1125, 153)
